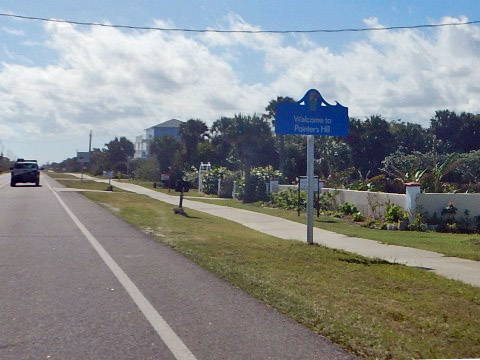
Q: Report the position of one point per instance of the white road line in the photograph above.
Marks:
(173, 342)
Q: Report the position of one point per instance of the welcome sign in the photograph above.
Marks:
(312, 115)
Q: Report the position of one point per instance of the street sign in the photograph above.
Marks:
(314, 117)
(303, 183)
(83, 157)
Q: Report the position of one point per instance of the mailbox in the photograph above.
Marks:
(182, 184)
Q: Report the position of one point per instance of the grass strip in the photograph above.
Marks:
(466, 246)
(57, 175)
(370, 307)
(88, 185)
(149, 185)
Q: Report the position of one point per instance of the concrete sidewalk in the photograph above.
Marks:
(467, 271)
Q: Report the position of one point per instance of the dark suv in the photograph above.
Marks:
(25, 171)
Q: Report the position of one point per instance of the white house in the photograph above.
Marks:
(167, 128)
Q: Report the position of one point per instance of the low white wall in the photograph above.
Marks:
(286, 187)
(433, 202)
(369, 203)
(373, 204)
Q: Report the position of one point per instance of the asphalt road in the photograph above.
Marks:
(79, 283)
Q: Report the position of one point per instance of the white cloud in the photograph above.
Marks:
(119, 83)
(12, 31)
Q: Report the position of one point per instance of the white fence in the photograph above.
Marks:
(369, 203)
(373, 204)
(435, 203)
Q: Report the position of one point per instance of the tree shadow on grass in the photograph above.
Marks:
(180, 211)
(328, 221)
(367, 261)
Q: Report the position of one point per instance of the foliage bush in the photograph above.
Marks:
(326, 200)
(210, 179)
(347, 209)
(418, 223)
(394, 213)
(358, 217)
(226, 188)
(190, 175)
(289, 200)
(254, 187)
(146, 169)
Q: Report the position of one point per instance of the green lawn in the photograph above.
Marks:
(149, 185)
(372, 308)
(87, 184)
(465, 246)
(57, 175)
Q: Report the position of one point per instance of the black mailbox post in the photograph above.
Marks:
(181, 186)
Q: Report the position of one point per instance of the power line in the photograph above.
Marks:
(423, 26)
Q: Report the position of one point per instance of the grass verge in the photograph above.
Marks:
(149, 185)
(57, 175)
(88, 185)
(465, 246)
(371, 307)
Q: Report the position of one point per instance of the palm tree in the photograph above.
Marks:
(192, 133)
(439, 171)
(167, 150)
(251, 140)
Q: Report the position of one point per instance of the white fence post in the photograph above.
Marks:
(273, 186)
(234, 191)
(412, 190)
(321, 184)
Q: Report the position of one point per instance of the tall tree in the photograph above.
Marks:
(118, 151)
(409, 137)
(250, 138)
(193, 132)
(456, 133)
(251, 141)
(370, 141)
(167, 151)
(270, 115)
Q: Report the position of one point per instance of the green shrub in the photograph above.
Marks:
(254, 188)
(395, 213)
(449, 212)
(326, 200)
(146, 169)
(191, 175)
(289, 200)
(347, 209)
(227, 186)
(358, 217)
(418, 224)
(210, 179)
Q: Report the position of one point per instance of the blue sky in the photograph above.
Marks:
(58, 81)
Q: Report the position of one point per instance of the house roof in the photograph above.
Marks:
(172, 123)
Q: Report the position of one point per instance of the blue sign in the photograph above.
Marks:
(314, 117)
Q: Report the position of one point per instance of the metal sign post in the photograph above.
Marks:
(314, 117)
(310, 148)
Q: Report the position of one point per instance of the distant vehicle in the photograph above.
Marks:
(25, 171)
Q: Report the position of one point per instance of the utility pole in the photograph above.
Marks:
(90, 143)
(310, 179)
